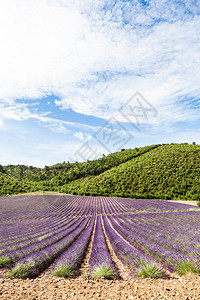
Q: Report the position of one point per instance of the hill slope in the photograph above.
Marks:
(154, 172)
(166, 172)
(20, 178)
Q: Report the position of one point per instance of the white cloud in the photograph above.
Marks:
(1, 123)
(79, 135)
(56, 47)
(23, 112)
(13, 111)
(94, 59)
(82, 136)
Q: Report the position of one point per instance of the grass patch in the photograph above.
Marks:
(104, 271)
(4, 261)
(65, 271)
(148, 269)
(22, 270)
(187, 266)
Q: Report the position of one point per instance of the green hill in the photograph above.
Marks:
(16, 179)
(166, 172)
(152, 172)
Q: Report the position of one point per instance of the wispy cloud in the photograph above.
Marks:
(83, 137)
(93, 55)
(54, 47)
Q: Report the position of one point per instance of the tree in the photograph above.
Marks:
(1, 169)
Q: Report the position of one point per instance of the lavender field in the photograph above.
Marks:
(55, 233)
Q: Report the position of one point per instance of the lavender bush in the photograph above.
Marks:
(101, 264)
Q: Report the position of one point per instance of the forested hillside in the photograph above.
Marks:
(16, 179)
(152, 172)
(166, 172)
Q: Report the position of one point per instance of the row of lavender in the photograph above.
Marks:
(54, 209)
(123, 206)
(141, 259)
(59, 237)
(25, 231)
(59, 211)
(167, 249)
(33, 224)
(37, 207)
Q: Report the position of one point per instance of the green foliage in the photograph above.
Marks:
(65, 271)
(103, 271)
(166, 172)
(150, 271)
(22, 270)
(187, 266)
(4, 261)
(147, 269)
(152, 172)
(15, 179)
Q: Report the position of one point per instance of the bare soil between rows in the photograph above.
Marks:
(50, 287)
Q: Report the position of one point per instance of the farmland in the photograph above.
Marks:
(65, 235)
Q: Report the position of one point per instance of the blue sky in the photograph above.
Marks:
(79, 79)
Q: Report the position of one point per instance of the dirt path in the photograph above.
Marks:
(49, 287)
